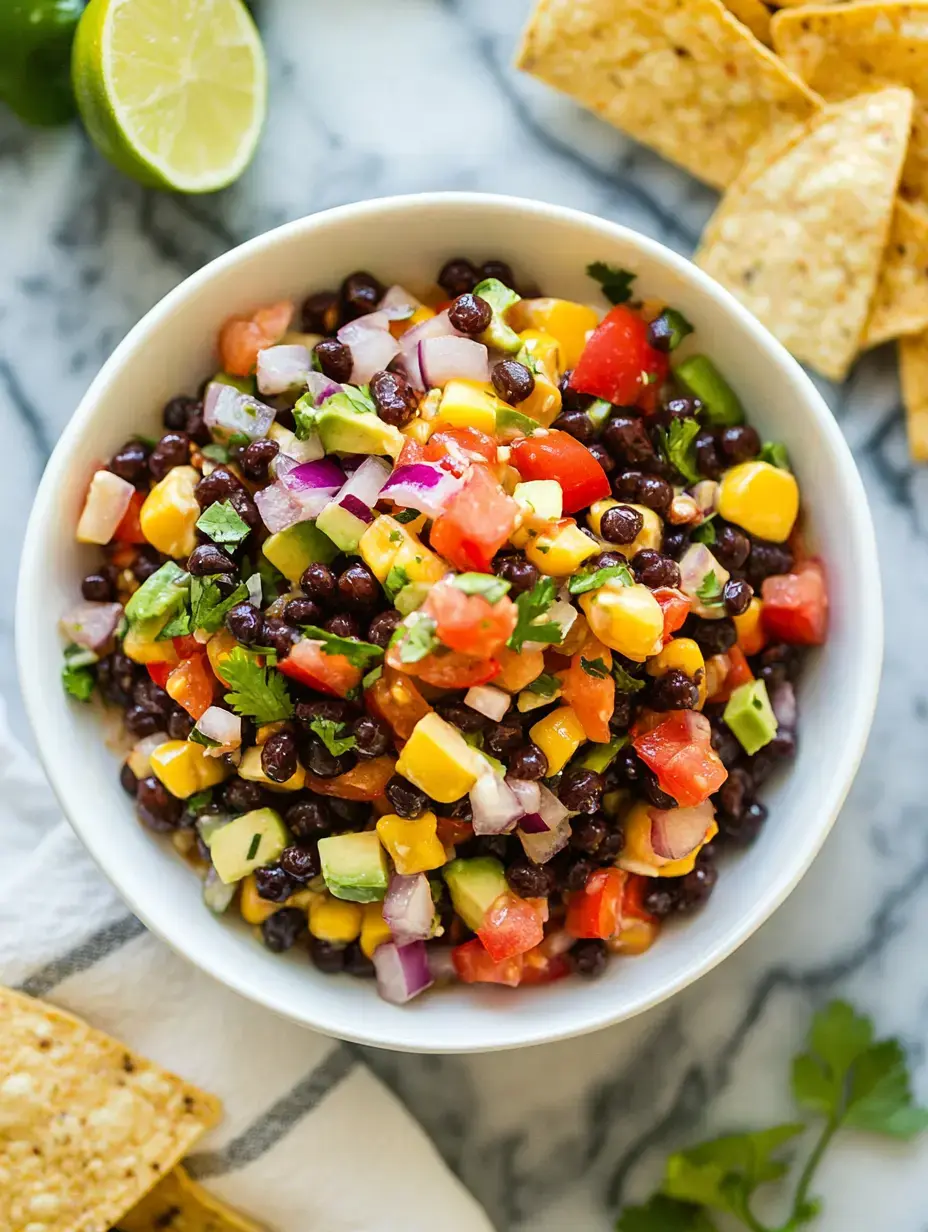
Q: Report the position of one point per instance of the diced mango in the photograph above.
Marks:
(169, 515)
(684, 654)
(760, 498)
(627, 618)
(638, 856)
(650, 536)
(750, 628)
(544, 402)
(518, 668)
(185, 769)
(387, 544)
(398, 328)
(469, 404)
(250, 768)
(438, 760)
(569, 323)
(635, 937)
(218, 649)
(558, 735)
(108, 498)
(413, 845)
(375, 931)
(418, 430)
(254, 908)
(335, 920)
(561, 548)
(139, 651)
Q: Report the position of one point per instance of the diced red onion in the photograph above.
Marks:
(105, 506)
(408, 908)
(279, 508)
(91, 624)
(397, 304)
(540, 848)
(356, 508)
(490, 702)
(293, 449)
(228, 412)
(527, 793)
(139, 760)
(435, 327)
(533, 823)
(402, 971)
(696, 564)
(282, 369)
(550, 807)
(444, 359)
(283, 464)
(676, 833)
(366, 482)
(706, 495)
(495, 806)
(313, 476)
(223, 727)
(371, 343)
(784, 706)
(424, 486)
(321, 387)
(216, 894)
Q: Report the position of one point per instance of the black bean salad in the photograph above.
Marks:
(455, 636)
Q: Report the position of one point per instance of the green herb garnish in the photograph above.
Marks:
(415, 637)
(484, 584)
(372, 677)
(595, 667)
(677, 446)
(406, 515)
(775, 453)
(78, 682)
(671, 326)
(258, 692)
(200, 800)
(329, 732)
(197, 737)
(207, 607)
(305, 416)
(624, 681)
(358, 653)
(253, 846)
(530, 606)
(177, 626)
(580, 583)
(544, 685)
(396, 579)
(709, 590)
(705, 531)
(616, 283)
(222, 524)
(216, 453)
(354, 398)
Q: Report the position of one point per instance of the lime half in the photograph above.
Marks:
(172, 91)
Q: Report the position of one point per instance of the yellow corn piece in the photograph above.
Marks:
(413, 845)
(418, 430)
(469, 404)
(650, 536)
(218, 649)
(140, 651)
(635, 937)
(558, 735)
(638, 856)
(750, 628)
(627, 618)
(387, 544)
(562, 319)
(169, 515)
(250, 768)
(760, 498)
(335, 920)
(438, 760)
(560, 549)
(684, 654)
(375, 930)
(185, 769)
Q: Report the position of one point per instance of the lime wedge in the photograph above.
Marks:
(173, 92)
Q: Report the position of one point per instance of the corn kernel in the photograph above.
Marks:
(184, 768)
(558, 735)
(760, 498)
(387, 544)
(250, 768)
(413, 845)
(375, 930)
(627, 618)
(560, 549)
(169, 515)
(684, 654)
(750, 628)
(635, 937)
(564, 320)
(650, 536)
(335, 920)
(638, 856)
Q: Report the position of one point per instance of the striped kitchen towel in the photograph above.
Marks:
(310, 1139)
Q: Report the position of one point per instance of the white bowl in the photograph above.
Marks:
(407, 239)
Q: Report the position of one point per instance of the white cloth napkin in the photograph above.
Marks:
(310, 1141)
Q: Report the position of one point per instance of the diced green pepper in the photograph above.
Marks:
(750, 716)
(721, 405)
(599, 757)
(775, 453)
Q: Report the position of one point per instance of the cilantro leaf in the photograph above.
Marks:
(358, 653)
(705, 531)
(616, 283)
(664, 1214)
(406, 515)
(709, 590)
(305, 415)
(775, 453)
(199, 800)
(545, 685)
(395, 580)
(78, 681)
(724, 1173)
(253, 847)
(216, 453)
(669, 329)
(258, 692)
(207, 607)
(530, 606)
(484, 584)
(222, 524)
(677, 445)
(177, 626)
(624, 681)
(415, 637)
(198, 738)
(580, 583)
(328, 732)
(595, 668)
(356, 399)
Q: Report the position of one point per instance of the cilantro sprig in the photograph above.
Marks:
(580, 583)
(358, 653)
(595, 667)
(545, 685)
(415, 638)
(78, 682)
(625, 682)
(677, 444)
(615, 282)
(207, 607)
(258, 692)
(330, 733)
(531, 605)
(486, 585)
(709, 591)
(845, 1077)
(221, 523)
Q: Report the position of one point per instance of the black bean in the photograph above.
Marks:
(458, 277)
(739, 443)
(361, 293)
(172, 450)
(407, 800)
(373, 737)
(767, 559)
(357, 963)
(383, 626)
(530, 880)
(471, 314)
(504, 738)
(676, 541)
(394, 398)
(654, 792)
(655, 494)
(242, 796)
(731, 546)
(712, 636)
(661, 334)
(140, 723)
(321, 313)
(735, 793)
(654, 570)
(97, 588)
(301, 861)
(602, 456)
(737, 595)
(628, 766)
(279, 756)
(180, 723)
(246, 624)
(116, 675)
(528, 762)
(696, 886)
(332, 708)
(496, 845)
(177, 411)
(343, 624)
(147, 562)
(279, 636)
(319, 761)
(625, 485)
(781, 748)
(197, 428)
(318, 582)
(674, 691)
(352, 813)
(334, 359)
(621, 524)
(131, 462)
(308, 819)
(209, 558)
(281, 930)
(621, 717)
(156, 807)
(150, 696)
(299, 612)
(328, 957)
(257, 457)
(273, 883)
(571, 400)
(626, 438)
(218, 485)
(662, 897)
(499, 270)
(520, 573)
(577, 424)
(127, 780)
(610, 847)
(588, 958)
(573, 871)
(459, 810)
(581, 790)
(725, 744)
(605, 560)
(464, 718)
(358, 589)
(744, 830)
(589, 833)
(512, 381)
(708, 461)
(682, 408)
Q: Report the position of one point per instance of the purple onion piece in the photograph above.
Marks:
(323, 473)
(402, 971)
(356, 507)
(533, 823)
(408, 908)
(445, 359)
(91, 624)
(540, 848)
(283, 369)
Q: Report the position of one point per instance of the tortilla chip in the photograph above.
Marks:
(179, 1204)
(801, 241)
(86, 1126)
(913, 373)
(682, 76)
(753, 14)
(845, 49)
(900, 305)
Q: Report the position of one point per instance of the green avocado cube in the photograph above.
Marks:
(160, 597)
(510, 424)
(500, 298)
(750, 716)
(474, 886)
(246, 843)
(350, 431)
(355, 866)
(294, 549)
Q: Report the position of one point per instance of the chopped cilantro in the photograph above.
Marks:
(677, 445)
(530, 606)
(200, 800)
(624, 681)
(396, 579)
(709, 590)
(78, 681)
(177, 626)
(353, 398)
(775, 453)
(358, 653)
(595, 667)
(207, 607)
(253, 846)
(215, 453)
(415, 637)
(305, 415)
(237, 442)
(705, 531)
(395, 536)
(580, 583)
(258, 692)
(545, 685)
(406, 515)
(484, 584)
(197, 737)
(222, 524)
(145, 440)
(616, 283)
(329, 732)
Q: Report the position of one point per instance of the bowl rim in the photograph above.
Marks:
(860, 528)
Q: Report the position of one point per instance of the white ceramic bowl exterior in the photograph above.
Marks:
(407, 239)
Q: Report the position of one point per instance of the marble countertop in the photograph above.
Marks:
(553, 1138)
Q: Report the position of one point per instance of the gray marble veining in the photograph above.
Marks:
(370, 97)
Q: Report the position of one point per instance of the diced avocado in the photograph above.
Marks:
(246, 843)
(543, 499)
(474, 886)
(500, 298)
(599, 757)
(355, 866)
(342, 526)
(159, 598)
(294, 549)
(411, 597)
(344, 431)
(721, 405)
(244, 384)
(750, 716)
(511, 424)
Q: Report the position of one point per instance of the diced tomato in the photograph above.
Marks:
(739, 672)
(557, 455)
(596, 911)
(675, 606)
(511, 926)
(636, 887)
(796, 605)
(186, 646)
(395, 699)
(679, 751)
(451, 831)
(544, 965)
(446, 669)
(619, 364)
(129, 529)
(476, 523)
(475, 966)
(159, 672)
(413, 451)
(365, 782)
(470, 623)
(457, 448)
(191, 685)
(329, 673)
(592, 697)
(241, 338)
